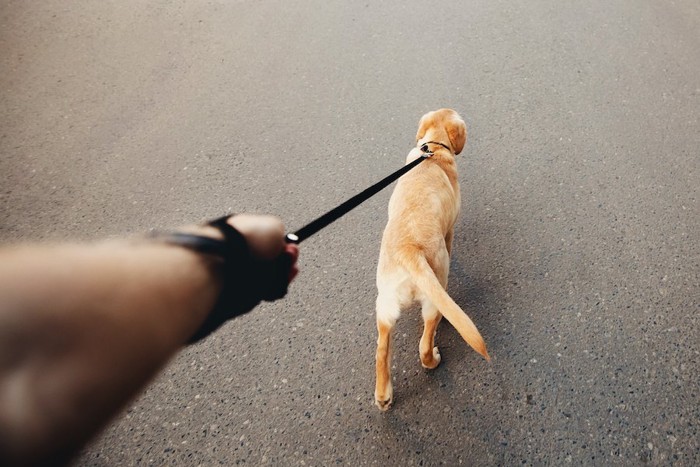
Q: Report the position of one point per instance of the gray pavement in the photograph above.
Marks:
(576, 253)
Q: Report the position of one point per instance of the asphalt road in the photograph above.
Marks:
(576, 253)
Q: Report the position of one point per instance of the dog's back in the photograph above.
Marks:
(424, 205)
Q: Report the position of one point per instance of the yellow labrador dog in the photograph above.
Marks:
(414, 259)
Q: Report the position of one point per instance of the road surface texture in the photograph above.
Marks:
(576, 253)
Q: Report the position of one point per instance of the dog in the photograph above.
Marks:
(414, 257)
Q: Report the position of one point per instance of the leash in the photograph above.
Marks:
(339, 211)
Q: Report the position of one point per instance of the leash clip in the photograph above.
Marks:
(426, 151)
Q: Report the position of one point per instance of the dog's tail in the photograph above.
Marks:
(425, 279)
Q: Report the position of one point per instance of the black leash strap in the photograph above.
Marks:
(338, 212)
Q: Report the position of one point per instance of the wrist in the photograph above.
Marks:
(233, 262)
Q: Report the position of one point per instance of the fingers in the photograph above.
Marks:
(264, 234)
(265, 237)
(293, 251)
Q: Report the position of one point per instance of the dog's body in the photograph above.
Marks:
(414, 259)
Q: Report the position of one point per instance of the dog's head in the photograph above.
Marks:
(443, 126)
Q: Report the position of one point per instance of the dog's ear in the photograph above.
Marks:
(457, 132)
(426, 122)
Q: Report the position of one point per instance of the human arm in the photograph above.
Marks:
(84, 327)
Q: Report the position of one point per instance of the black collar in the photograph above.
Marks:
(424, 146)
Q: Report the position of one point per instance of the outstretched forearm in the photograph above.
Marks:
(82, 329)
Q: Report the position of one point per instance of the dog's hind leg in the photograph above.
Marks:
(387, 313)
(448, 240)
(429, 353)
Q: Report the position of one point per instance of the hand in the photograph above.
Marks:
(264, 272)
(265, 237)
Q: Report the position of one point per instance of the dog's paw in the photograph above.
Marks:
(383, 405)
(384, 401)
(432, 361)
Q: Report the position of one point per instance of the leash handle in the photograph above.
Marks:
(339, 211)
